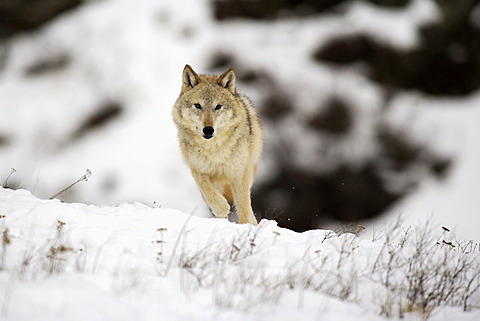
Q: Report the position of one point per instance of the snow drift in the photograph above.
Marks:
(74, 262)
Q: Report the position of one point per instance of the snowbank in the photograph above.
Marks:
(81, 262)
(132, 53)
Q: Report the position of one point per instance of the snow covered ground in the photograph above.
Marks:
(132, 262)
(132, 53)
(154, 261)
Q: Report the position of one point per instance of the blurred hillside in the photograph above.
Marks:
(368, 106)
(28, 15)
(444, 61)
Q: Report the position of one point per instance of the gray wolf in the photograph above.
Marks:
(220, 138)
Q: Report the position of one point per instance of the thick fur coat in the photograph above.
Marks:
(220, 138)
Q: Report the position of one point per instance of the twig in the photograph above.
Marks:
(4, 185)
(178, 241)
(85, 177)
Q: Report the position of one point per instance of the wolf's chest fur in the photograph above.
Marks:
(217, 156)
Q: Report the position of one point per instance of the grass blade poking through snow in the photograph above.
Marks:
(180, 234)
(5, 183)
(85, 177)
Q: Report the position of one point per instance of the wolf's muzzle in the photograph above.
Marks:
(208, 132)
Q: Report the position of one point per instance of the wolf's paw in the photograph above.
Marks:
(247, 217)
(221, 209)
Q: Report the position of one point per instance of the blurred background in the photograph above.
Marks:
(370, 108)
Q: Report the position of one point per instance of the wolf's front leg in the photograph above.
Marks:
(241, 193)
(214, 199)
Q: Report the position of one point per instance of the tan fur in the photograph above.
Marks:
(223, 166)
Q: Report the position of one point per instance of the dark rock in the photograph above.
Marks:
(346, 194)
(334, 118)
(25, 15)
(50, 64)
(106, 113)
(446, 63)
(4, 140)
(274, 9)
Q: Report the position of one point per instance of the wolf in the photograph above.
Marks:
(220, 138)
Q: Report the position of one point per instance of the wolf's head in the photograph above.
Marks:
(206, 103)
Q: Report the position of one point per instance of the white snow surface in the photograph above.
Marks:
(123, 260)
(134, 51)
(133, 262)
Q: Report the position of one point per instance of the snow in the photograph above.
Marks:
(113, 270)
(398, 28)
(134, 52)
(453, 202)
(142, 159)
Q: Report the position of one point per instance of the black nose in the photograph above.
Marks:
(208, 132)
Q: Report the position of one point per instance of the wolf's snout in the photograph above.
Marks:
(208, 132)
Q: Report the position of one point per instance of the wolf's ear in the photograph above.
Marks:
(189, 79)
(227, 80)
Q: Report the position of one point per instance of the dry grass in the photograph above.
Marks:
(409, 270)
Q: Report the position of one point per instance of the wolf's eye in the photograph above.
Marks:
(198, 106)
(218, 107)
